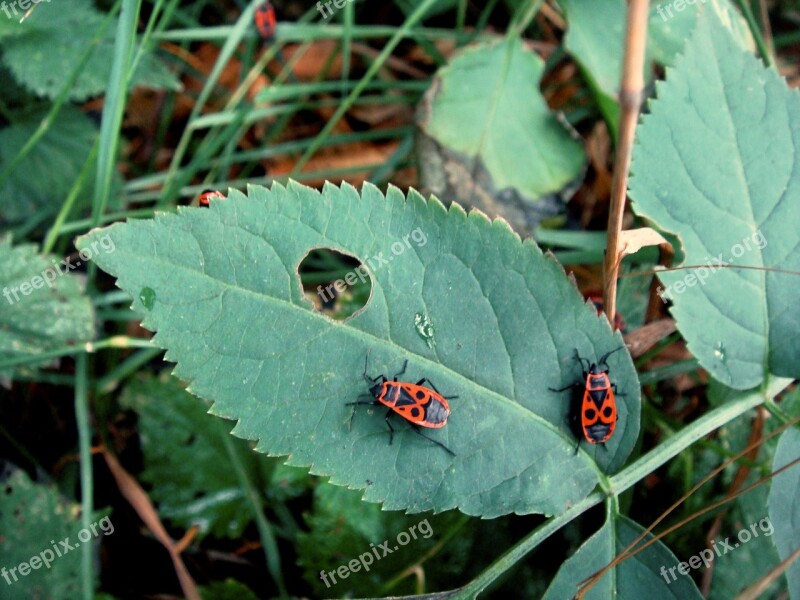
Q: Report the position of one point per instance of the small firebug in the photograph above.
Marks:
(419, 405)
(265, 21)
(593, 414)
(205, 198)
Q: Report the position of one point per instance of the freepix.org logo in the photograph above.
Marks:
(10, 8)
(56, 270)
(48, 556)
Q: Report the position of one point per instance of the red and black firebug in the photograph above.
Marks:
(593, 413)
(205, 198)
(265, 21)
(421, 406)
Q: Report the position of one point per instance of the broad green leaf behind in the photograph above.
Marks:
(716, 163)
(42, 306)
(486, 104)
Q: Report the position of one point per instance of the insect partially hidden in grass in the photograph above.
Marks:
(265, 21)
(593, 414)
(421, 406)
(204, 201)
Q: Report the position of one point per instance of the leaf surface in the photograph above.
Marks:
(31, 515)
(221, 288)
(640, 576)
(596, 35)
(187, 461)
(37, 316)
(28, 51)
(716, 163)
(487, 104)
(784, 505)
(44, 177)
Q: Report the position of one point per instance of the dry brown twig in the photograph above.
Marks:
(630, 99)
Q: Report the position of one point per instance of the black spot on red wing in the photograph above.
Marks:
(421, 394)
(607, 412)
(415, 412)
(589, 414)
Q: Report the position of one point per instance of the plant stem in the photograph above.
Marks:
(630, 98)
(87, 483)
(625, 479)
(756, 31)
(265, 531)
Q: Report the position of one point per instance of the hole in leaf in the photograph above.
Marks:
(337, 284)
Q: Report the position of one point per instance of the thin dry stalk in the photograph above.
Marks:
(630, 99)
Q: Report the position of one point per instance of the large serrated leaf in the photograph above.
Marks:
(716, 163)
(596, 36)
(221, 288)
(487, 104)
(644, 575)
(784, 512)
(42, 306)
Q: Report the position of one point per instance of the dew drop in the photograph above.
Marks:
(719, 351)
(425, 329)
(148, 297)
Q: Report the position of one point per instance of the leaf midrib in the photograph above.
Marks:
(387, 343)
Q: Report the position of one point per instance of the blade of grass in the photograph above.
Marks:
(270, 546)
(412, 19)
(232, 41)
(87, 479)
(72, 196)
(114, 108)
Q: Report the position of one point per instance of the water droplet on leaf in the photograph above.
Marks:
(719, 351)
(148, 297)
(424, 329)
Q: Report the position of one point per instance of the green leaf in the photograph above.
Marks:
(37, 315)
(596, 36)
(645, 575)
(230, 589)
(221, 287)
(47, 173)
(486, 103)
(340, 528)
(752, 559)
(186, 461)
(71, 27)
(31, 515)
(783, 510)
(716, 164)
